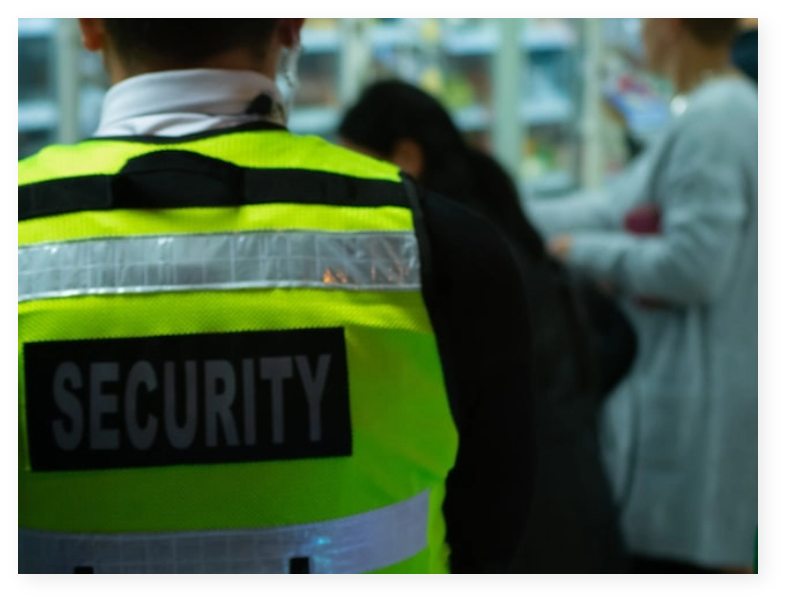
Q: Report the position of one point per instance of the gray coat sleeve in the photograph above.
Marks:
(700, 190)
(593, 210)
(585, 210)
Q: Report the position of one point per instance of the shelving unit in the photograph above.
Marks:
(327, 73)
(325, 40)
(35, 28)
(37, 115)
(549, 37)
(479, 40)
(37, 109)
(61, 86)
(634, 102)
(492, 75)
(551, 107)
(545, 111)
(387, 36)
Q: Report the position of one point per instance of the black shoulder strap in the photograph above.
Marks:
(422, 235)
(182, 179)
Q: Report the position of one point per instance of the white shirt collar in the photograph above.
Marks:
(181, 102)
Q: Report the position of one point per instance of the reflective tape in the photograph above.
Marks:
(355, 544)
(242, 260)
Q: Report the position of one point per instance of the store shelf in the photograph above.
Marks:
(645, 116)
(387, 36)
(37, 115)
(623, 35)
(539, 112)
(548, 38)
(36, 28)
(314, 120)
(478, 41)
(472, 119)
(486, 40)
(320, 40)
(552, 183)
(552, 109)
(534, 113)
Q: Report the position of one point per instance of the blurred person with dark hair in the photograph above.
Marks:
(745, 48)
(581, 345)
(240, 350)
(676, 236)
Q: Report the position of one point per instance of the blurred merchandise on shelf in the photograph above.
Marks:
(47, 111)
(407, 49)
(316, 25)
(316, 106)
(551, 34)
(551, 89)
(546, 151)
(444, 57)
(636, 101)
(453, 59)
(467, 46)
(623, 37)
(639, 101)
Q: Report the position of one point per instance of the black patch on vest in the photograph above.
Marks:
(192, 399)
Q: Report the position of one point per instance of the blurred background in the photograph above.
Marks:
(573, 88)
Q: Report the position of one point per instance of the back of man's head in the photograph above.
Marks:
(186, 42)
(713, 32)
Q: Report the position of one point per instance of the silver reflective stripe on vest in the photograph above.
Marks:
(268, 259)
(354, 544)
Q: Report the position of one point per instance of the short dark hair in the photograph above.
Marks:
(712, 32)
(185, 41)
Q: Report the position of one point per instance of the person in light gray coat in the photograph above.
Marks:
(677, 237)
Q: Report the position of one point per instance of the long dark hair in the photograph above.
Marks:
(572, 322)
(389, 111)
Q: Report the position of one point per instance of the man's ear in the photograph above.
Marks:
(409, 156)
(94, 35)
(289, 31)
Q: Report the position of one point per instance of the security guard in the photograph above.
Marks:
(242, 350)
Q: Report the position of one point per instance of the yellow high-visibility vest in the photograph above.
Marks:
(225, 361)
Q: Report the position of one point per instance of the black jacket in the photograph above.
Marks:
(581, 345)
(476, 299)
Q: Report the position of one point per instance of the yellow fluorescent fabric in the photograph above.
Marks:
(404, 441)
(88, 225)
(282, 150)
